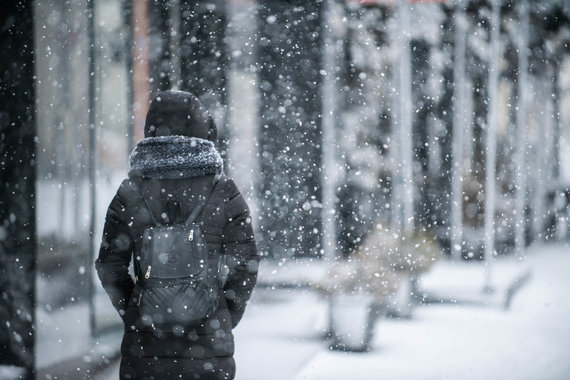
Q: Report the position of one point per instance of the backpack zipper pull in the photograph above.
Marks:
(147, 275)
(140, 298)
(191, 235)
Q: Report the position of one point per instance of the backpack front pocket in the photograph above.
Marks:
(178, 304)
(173, 252)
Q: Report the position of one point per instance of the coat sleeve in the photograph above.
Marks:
(115, 255)
(241, 253)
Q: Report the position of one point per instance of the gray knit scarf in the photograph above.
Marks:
(171, 157)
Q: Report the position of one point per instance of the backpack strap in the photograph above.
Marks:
(154, 219)
(196, 212)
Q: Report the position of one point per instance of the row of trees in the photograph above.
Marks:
(368, 111)
(414, 98)
(470, 64)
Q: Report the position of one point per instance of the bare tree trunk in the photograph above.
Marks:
(491, 145)
(457, 134)
(405, 118)
(329, 139)
(290, 136)
(521, 122)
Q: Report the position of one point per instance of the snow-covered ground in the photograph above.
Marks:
(280, 336)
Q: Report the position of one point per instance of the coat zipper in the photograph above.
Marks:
(191, 235)
(147, 275)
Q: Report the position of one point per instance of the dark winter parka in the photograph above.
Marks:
(173, 168)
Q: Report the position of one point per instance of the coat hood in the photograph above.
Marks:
(179, 113)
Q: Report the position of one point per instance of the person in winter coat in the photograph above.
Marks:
(172, 170)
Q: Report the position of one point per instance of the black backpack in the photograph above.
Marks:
(178, 286)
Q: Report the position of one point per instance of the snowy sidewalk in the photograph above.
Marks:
(280, 336)
(280, 340)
